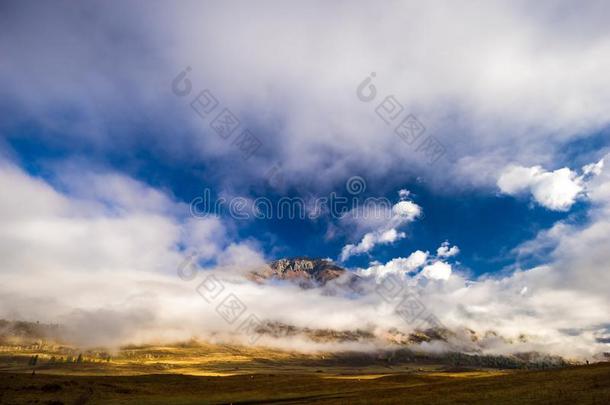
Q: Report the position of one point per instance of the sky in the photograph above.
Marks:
(478, 132)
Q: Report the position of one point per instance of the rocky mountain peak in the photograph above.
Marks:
(308, 272)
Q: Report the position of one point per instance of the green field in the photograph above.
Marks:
(205, 373)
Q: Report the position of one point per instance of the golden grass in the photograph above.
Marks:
(574, 385)
(230, 374)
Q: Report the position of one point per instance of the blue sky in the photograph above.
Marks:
(485, 224)
(108, 135)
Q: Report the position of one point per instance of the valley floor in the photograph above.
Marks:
(206, 373)
(573, 385)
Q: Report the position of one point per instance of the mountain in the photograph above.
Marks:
(307, 272)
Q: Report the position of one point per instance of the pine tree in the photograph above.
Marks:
(33, 360)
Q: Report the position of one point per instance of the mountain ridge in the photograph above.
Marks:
(305, 271)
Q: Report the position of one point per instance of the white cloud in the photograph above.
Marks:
(370, 240)
(402, 213)
(557, 190)
(406, 210)
(398, 266)
(593, 169)
(403, 193)
(103, 260)
(242, 257)
(445, 251)
(438, 270)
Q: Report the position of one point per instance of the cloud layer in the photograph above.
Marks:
(96, 262)
(524, 85)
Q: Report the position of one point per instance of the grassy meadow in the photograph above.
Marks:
(207, 373)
